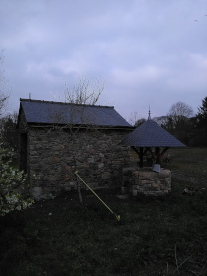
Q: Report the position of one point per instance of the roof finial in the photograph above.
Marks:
(149, 117)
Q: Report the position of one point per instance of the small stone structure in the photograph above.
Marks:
(145, 181)
(51, 152)
(149, 139)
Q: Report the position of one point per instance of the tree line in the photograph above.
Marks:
(191, 130)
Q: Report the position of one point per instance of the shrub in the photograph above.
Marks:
(14, 193)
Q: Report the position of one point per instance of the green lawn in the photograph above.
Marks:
(195, 157)
(155, 236)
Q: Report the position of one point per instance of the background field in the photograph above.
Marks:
(156, 236)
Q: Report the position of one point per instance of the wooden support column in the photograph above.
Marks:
(157, 152)
(141, 158)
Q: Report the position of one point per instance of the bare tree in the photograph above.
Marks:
(161, 120)
(85, 93)
(179, 120)
(179, 110)
(135, 119)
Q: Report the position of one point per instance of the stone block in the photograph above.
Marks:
(155, 184)
(164, 173)
(52, 178)
(106, 175)
(162, 187)
(116, 163)
(149, 185)
(155, 189)
(136, 174)
(54, 159)
(100, 165)
(90, 160)
(137, 181)
(58, 148)
(145, 182)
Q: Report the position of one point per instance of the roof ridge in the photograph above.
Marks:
(64, 103)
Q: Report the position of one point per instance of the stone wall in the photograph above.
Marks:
(54, 156)
(145, 181)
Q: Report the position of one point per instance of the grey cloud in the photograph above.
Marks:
(149, 52)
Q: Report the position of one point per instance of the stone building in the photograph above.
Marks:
(56, 139)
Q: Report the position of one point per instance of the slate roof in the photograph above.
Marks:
(44, 112)
(150, 134)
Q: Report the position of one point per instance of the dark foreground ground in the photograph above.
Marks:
(155, 236)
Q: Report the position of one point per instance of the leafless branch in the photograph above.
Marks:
(86, 91)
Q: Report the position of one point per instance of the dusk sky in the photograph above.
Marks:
(149, 52)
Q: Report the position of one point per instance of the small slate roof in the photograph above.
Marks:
(44, 112)
(150, 134)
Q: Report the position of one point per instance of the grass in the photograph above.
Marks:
(156, 236)
(192, 161)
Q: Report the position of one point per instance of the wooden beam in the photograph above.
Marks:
(135, 149)
(163, 152)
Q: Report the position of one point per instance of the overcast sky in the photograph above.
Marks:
(149, 52)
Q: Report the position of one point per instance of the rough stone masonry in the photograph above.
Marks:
(145, 181)
(54, 156)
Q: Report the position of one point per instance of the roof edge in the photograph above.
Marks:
(52, 102)
(34, 124)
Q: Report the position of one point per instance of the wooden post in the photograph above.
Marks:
(157, 155)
